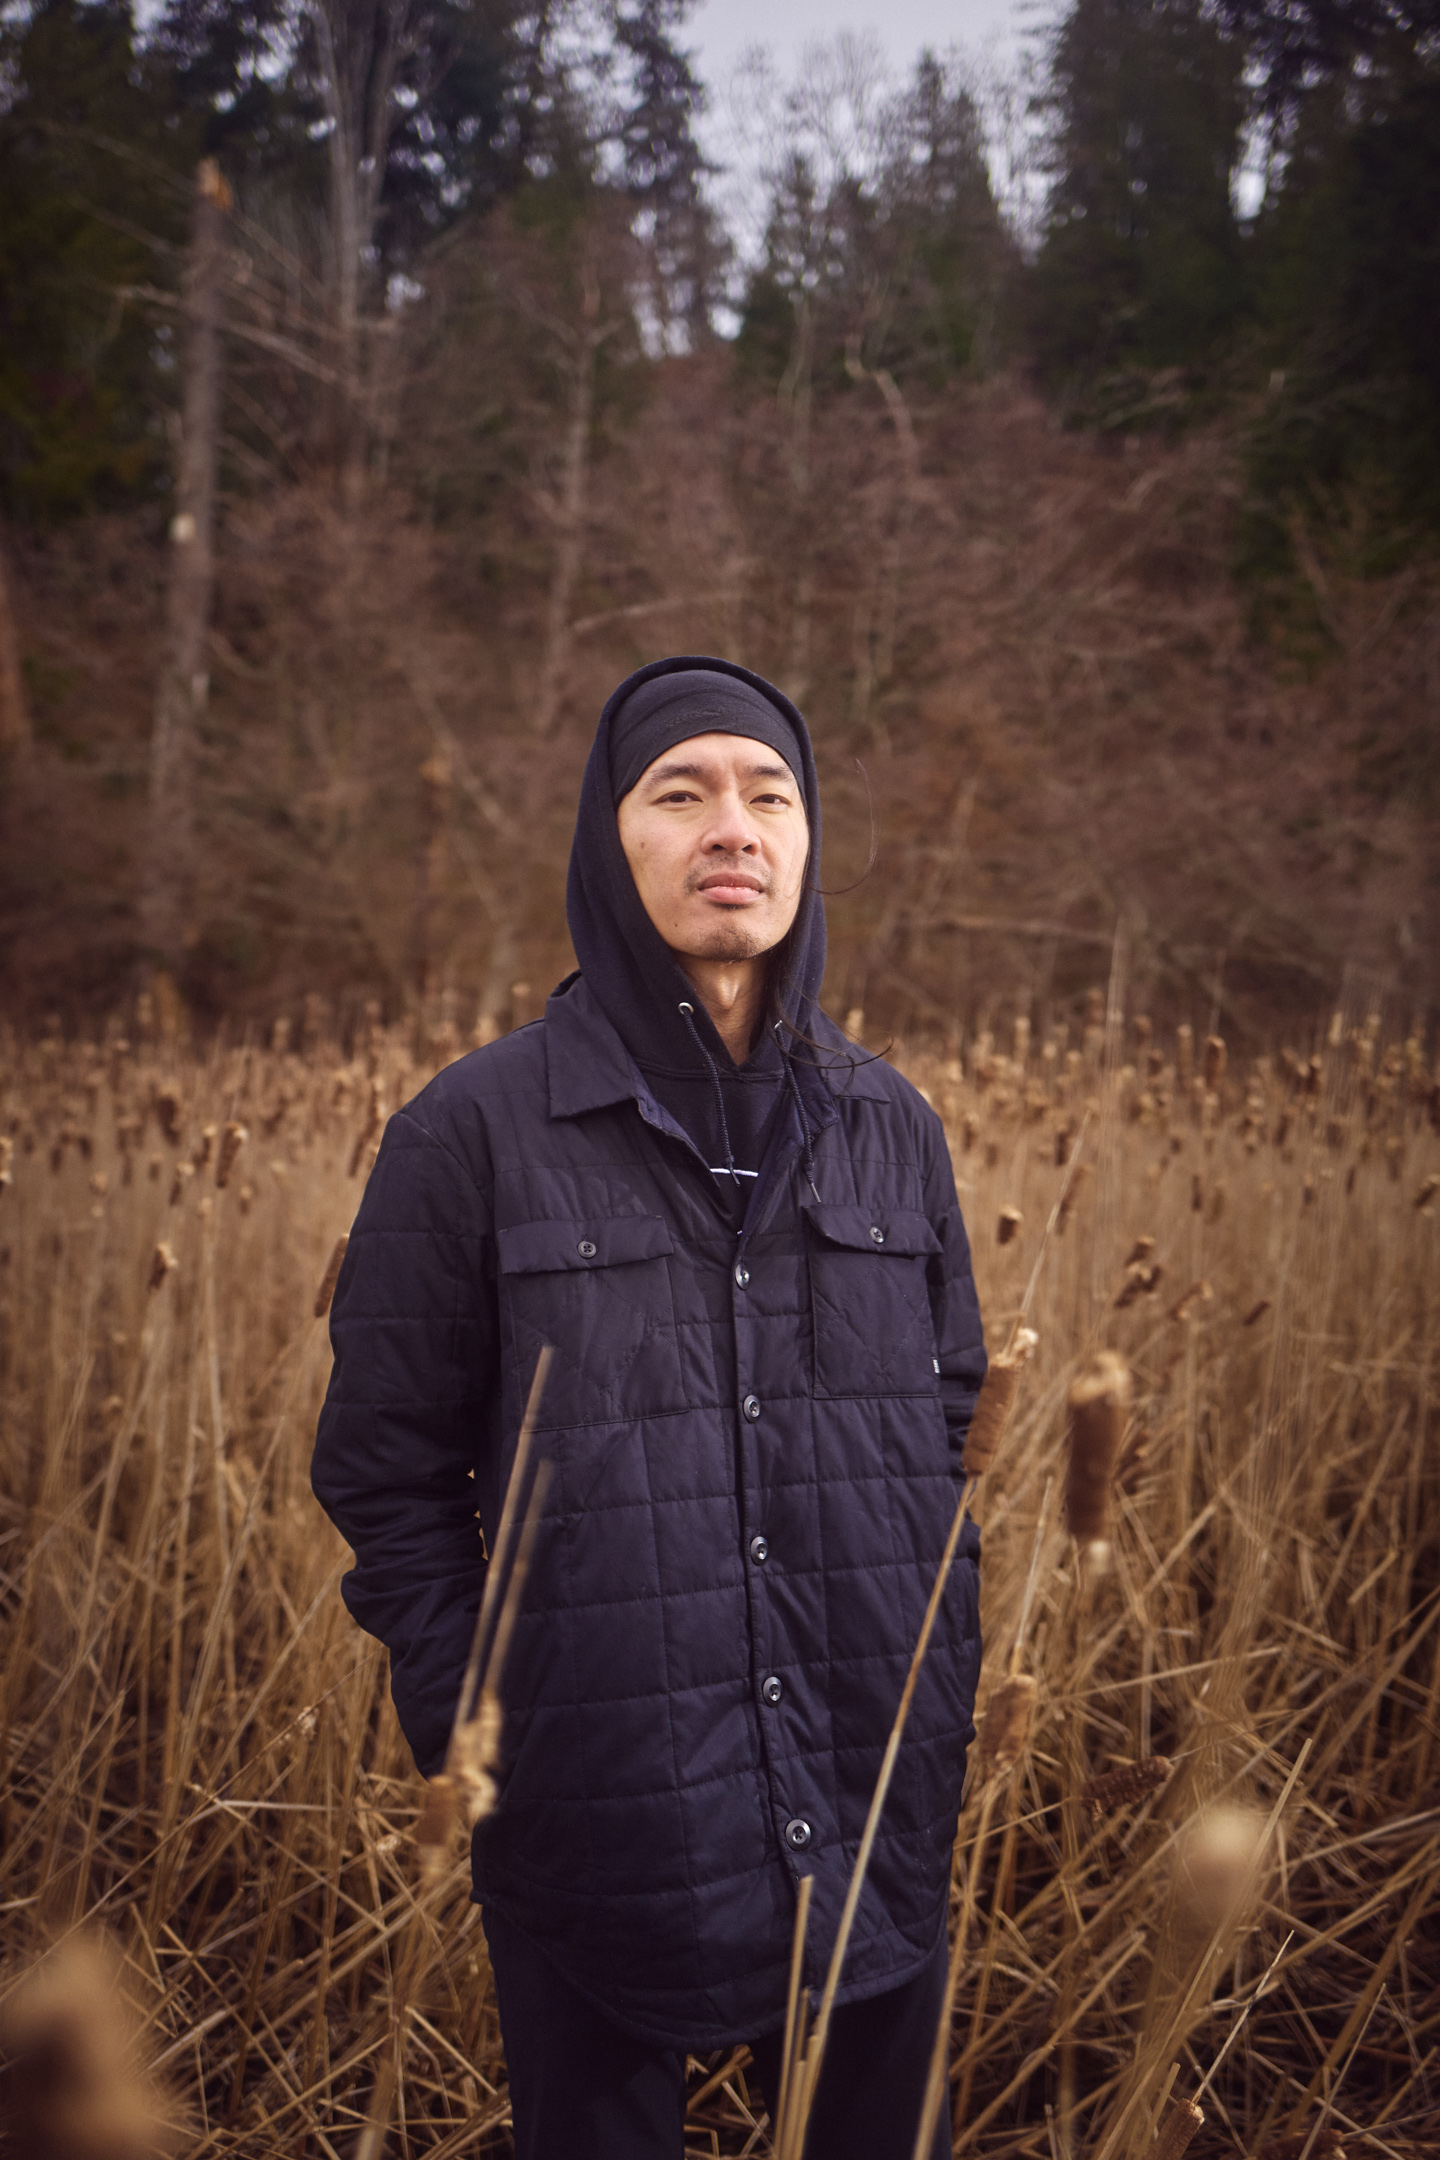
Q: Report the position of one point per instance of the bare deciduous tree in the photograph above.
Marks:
(184, 681)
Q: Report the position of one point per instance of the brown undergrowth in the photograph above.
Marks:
(201, 1764)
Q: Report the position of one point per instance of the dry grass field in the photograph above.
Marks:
(203, 1772)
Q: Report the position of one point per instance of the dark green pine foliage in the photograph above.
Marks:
(1141, 268)
(1349, 272)
(230, 66)
(949, 262)
(463, 123)
(95, 178)
(659, 101)
(905, 266)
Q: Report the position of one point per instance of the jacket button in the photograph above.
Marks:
(797, 1833)
(751, 1407)
(877, 1234)
(586, 1248)
(772, 1689)
(759, 1550)
(742, 1273)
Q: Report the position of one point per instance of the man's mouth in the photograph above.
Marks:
(732, 886)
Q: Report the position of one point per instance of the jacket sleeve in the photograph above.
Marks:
(959, 1336)
(413, 1331)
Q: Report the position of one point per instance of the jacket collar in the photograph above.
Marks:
(590, 1068)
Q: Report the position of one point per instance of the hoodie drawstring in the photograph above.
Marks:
(689, 1011)
(807, 1133)
(807, 1156)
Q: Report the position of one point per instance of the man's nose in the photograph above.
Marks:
(731, 832)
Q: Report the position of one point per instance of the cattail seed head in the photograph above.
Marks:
(1199, 1293)
(73, 2087)
(1213, 1069)
(169, 1109)
(331, 1276)
(1182, 2119)
(1142, 1248)
(997, 1394)
(1426, 1194)
(374, 1119)
(1099, 1401)
(162, 1263)
(1139, 1281)
(474, 1752)
(231, 1141)
(1008, 1226)
(1123, 1787)
(1217, 1865)
(1257, 1311)
(7, 1157)
(436, 1824)
(1005, 1732)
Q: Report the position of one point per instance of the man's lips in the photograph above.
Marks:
(731, 885)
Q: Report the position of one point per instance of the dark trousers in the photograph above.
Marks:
(581, 2089)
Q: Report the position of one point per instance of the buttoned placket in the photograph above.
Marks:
(790, 1809)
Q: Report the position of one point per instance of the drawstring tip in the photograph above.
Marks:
(814, 1188)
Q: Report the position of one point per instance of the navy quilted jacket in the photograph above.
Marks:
(756, 1439)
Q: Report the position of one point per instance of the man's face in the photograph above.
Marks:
(717, 840)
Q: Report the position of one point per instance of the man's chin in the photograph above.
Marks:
(730, 941)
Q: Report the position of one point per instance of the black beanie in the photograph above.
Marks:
(669, 709)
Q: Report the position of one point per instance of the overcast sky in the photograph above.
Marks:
(721, 33)
(720, 30)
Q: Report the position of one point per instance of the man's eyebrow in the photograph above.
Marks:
(678, 769)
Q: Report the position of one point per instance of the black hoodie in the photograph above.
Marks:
(727, 1109)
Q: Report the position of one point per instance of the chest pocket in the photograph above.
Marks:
(598, 1289)
(870, 1300)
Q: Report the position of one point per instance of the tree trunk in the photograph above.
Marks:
(14, 711)
(795, 391)
(572, 509)
(361, 52)
(184, 682)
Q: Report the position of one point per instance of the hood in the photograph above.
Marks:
(629, 969)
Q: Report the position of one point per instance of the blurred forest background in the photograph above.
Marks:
(380, 382)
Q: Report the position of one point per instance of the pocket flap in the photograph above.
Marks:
(536, 1248)
(903, 1231)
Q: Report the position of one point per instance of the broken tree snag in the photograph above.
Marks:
(184, 678)
(14, 712)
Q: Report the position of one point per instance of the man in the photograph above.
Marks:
(741, 1237)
